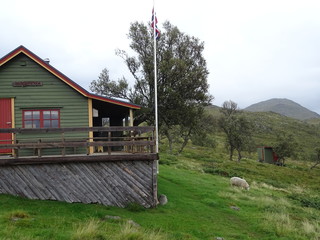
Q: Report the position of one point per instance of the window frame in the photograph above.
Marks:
(41, 119)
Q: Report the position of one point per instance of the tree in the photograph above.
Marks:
(284, 146)
(105, 86)
(237, 127)
(182, 79)
(316, 157)
(203, 136)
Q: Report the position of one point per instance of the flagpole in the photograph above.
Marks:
(155, 80)
(155, 84)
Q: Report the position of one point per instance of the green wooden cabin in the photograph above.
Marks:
(33, 94)
(266, 154)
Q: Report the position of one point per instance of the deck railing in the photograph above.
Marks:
(106, 139)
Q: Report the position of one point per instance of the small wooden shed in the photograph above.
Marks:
(266, 154)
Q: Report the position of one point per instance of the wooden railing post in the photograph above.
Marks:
(64, 147)
(17, 150)
(109, 140)
(39, 149)
(14, 151)
(153, 139)
(88, 146)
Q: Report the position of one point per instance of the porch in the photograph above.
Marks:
(58, 145)
(117, 168)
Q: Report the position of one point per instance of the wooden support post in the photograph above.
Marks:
(63, 141)
(14, 151)
(109, 140)
(88, 147)
(131, 117)
(153, 139)
(39, 149)
(139, 148)
(90, 115)
(155, 182)
(131, 133)
(126, 122)
(17, 150)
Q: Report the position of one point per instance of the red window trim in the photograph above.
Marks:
(41, 116)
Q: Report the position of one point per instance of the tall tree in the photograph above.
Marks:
(182, 79)
(238, 129)
(316, 157)
(285, 146)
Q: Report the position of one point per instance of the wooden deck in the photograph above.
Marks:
(7, 160)
(115, 178)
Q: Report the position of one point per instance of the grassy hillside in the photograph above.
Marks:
(268, 125)
(283, 202)
(202, 205)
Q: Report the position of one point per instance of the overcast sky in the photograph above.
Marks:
(255, 49)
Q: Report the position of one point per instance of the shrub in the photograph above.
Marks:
(18, 214)
(135, 207)
(88, 231)
(306, 200)
(130, 232)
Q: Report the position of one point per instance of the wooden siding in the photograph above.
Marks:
(108, 183)
(52, 94)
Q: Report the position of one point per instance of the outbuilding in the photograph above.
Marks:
(266, 154)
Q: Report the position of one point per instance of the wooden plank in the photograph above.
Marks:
(20, 186)
(50, 185)
(141, 169)
(64, 144)
(132, 191)
(124, 196)
(30, 180)
(136, 129)
(106, 168)
(108, 185)
(88, 184)
(155, 182)
(5, 179)
(100, 184)
(136, 183)
(76, 191)
(61, 182)
(77, 158)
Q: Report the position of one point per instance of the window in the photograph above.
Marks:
(41, 118)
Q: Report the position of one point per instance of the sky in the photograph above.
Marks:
(255, 49)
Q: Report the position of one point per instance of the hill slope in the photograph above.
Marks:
(284, 107)
(269, 124)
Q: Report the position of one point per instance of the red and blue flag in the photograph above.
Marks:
(154, 22)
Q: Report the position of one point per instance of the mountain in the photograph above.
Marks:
(284, 107)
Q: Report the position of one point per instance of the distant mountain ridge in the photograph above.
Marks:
(284, 107)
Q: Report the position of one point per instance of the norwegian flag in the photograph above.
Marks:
(154, 22)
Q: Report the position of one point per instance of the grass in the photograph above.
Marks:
(283, 203)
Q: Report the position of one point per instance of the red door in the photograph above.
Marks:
(5, 122)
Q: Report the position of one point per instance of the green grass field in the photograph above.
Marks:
(283, 203)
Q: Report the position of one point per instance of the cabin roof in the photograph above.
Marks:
(62, 77)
